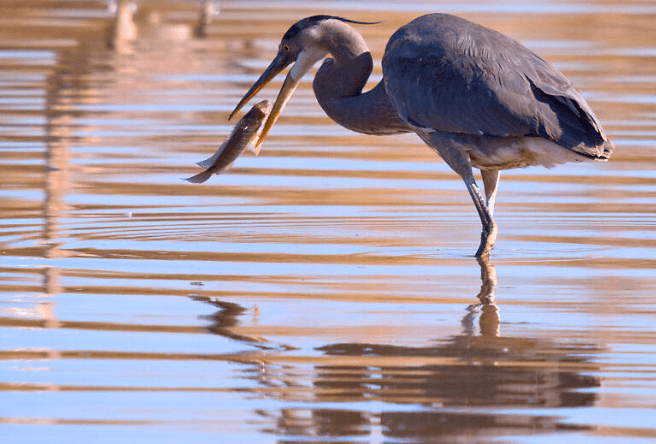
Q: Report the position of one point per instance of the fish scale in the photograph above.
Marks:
(242, 137)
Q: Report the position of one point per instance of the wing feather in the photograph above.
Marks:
(446, 73)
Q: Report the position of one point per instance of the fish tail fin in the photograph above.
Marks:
(199, 178)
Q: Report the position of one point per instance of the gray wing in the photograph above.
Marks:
(448, 74)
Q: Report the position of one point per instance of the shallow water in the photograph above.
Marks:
(324, 291)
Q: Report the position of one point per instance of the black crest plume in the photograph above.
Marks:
(311, 21)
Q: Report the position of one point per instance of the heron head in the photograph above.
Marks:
(300, 47)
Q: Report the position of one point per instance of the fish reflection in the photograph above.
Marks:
(224, 320)
(460, 387)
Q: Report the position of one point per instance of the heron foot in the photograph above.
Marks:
(488, 238)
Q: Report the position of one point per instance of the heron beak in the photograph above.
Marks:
(304, 61)
(288, 88)
(278, 64)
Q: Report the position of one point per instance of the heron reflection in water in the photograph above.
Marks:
(478, 98)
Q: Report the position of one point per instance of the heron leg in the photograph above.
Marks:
(489, 232)
(490, 181)
(460, 162)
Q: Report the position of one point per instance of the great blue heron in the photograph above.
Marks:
(477, 97)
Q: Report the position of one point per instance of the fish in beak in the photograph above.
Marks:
(304, 60)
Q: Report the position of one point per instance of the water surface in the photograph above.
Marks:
(325, 291)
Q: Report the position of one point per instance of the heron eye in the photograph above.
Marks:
(286, 48)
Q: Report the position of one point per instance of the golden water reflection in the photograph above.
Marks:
(454, 381)
(325, 289)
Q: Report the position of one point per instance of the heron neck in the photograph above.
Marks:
(339, 83)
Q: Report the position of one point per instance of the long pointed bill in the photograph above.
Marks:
(288, 88)
(304, 62)
(278, 64)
